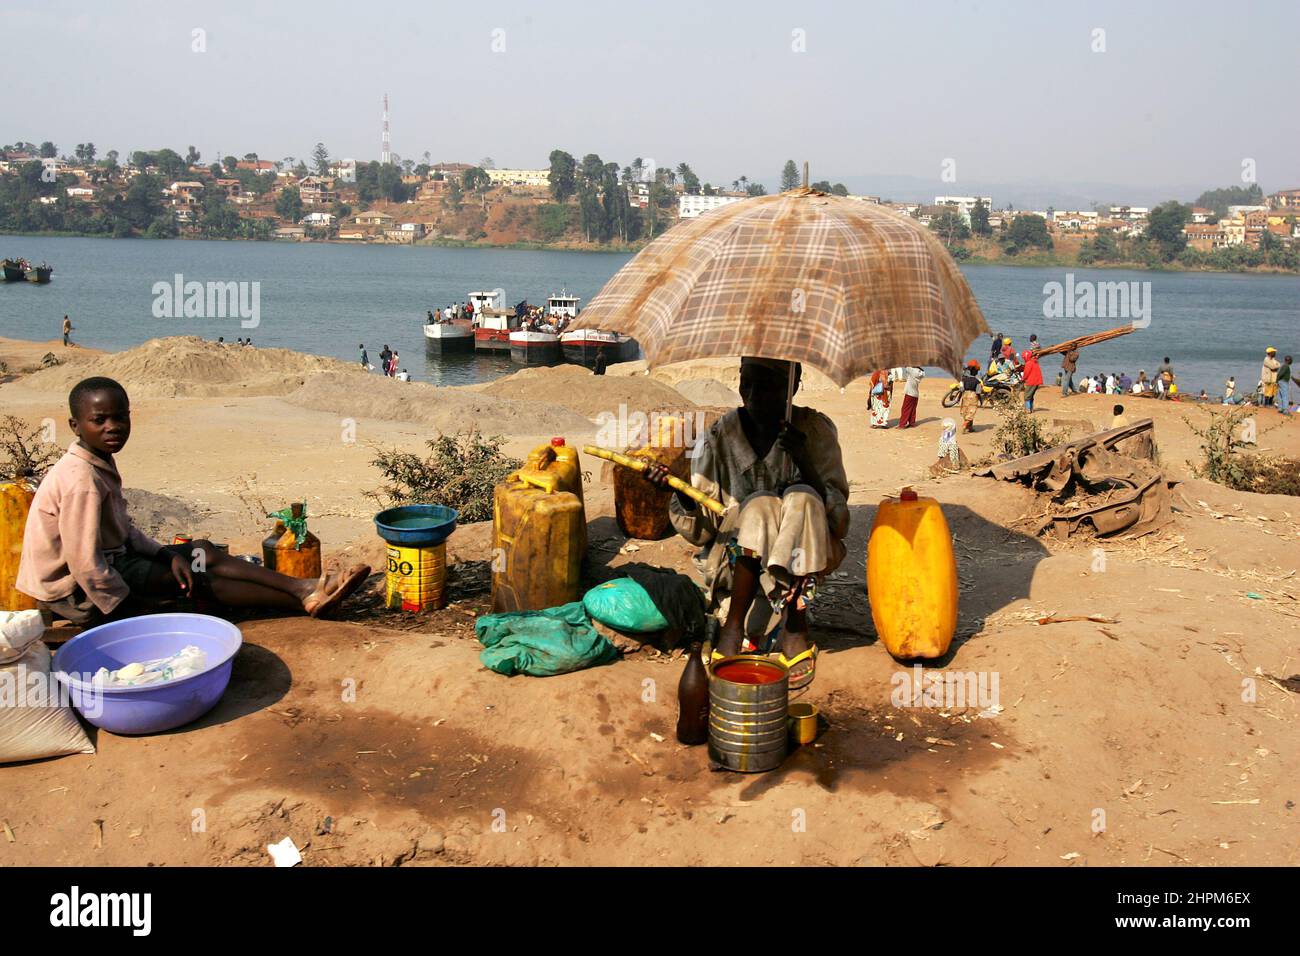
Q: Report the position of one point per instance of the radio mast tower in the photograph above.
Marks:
(385, 154)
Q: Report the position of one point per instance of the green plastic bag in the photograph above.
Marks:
(624, 605)
(542, 643)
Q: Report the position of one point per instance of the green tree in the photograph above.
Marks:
(288, 205)
(1165, 228)
(950, 227)
(48, 150)
(1027, 232)
(192, 157)
(1220, 199)
(476, 181)
(563, 175)
(321, 157)
(690, 181)
(979, 219)
(230, 162)
(789, 176)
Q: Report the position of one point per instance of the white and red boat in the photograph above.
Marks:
(534, 347)
(580, 346)
(493, 323)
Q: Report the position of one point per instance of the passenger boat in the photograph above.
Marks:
(580, 346)
(40, 274)
(15, 270)
(541, 346)
(493, 323)
(454, 336)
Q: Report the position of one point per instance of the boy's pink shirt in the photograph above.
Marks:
(78, 514)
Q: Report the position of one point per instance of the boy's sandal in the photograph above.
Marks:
(352, 580)
(805, 676)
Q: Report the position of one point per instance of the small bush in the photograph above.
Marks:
(1223, 461)
(1020, 434)
(460, 472)
(23, 451)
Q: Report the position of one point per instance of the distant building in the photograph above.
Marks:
(1202, 236)
(414, 229)
(1242, 210)
(231, 187)
(449, 170)
(691, 207)
(344, 170)
(81, 192)
(964, 204)
(291, 232)
(353, 233)
(519, 177)
(316, 191)
(1130, 213)
(1201, 214)
(374, 218)
(1285, 199)
(317, 219)
(1075, 220)
(259, 166)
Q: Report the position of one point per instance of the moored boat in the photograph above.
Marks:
(454, 336)
(15, 270)
(533, 347)
(580, 346)
(40, 274)
(493, 323)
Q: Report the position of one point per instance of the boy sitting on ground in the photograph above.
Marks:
(85, 561)
(786, 493)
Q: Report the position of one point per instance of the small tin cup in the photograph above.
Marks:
(802, 718)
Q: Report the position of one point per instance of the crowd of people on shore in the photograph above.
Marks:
(1021, 373)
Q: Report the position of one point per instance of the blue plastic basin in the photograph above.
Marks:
(152, 708)
(416, 526)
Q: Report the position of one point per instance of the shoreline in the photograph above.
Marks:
(1037, 262)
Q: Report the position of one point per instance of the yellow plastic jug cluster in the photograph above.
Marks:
(539, 532)
(640, 508)
(15, 501)
(912, 577)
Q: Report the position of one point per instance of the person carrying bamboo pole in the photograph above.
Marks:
(786, 492)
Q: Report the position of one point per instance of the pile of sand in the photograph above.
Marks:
(446, 409)
(589, 395)
(708, 391)
(190, 366)
(725, 371)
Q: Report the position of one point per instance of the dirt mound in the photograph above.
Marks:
(589, 395)
(190, 366)
(446, 409)
(708, 391)
(725, 371)
(161, 516)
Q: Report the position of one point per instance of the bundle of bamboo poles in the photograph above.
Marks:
(1083, 341)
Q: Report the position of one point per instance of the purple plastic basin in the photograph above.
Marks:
(148, 709)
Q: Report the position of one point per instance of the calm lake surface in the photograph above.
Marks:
(327, 298)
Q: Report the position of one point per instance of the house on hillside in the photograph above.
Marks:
(259, 166)
(291, 232)
(317, 219)
(519, 177)
(316, 191)
(344, 170)
(231, 187)
(374, 218)
(1201, 214)
(81, 192)
(691, 207)
(1285, 199)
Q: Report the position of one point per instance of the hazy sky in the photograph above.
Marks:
(1012, 91)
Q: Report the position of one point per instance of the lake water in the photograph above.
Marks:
(327, 298)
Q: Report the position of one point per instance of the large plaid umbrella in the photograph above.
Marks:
(844, 286)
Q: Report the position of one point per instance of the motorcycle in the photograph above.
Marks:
(992, 391)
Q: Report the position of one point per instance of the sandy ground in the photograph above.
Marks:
(1137, 742)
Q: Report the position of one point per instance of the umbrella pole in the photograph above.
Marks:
(789, 396)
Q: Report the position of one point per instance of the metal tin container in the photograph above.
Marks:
(803, 723)
(748, 722)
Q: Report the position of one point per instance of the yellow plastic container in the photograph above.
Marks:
(912, 577)
(304, 562)
(640, 508)
(538, 540)
(15, 501)
(553, 467)
(417, 578)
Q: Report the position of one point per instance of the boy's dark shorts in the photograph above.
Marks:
(136, 570)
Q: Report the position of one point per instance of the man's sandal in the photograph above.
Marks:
(800, 680)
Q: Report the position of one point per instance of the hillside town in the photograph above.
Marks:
(163, 195)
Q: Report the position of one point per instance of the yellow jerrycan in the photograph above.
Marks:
(539, 532)
(912, 577)
(15, 501)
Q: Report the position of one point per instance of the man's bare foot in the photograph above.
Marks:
(729, 639)
(333, 588)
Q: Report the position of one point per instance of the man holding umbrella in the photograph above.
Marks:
(786, 492)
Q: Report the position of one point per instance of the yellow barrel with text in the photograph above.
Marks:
(417, 578)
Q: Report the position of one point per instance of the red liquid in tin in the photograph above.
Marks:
(748, 672)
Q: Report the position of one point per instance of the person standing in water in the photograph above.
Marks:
(67, 331)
